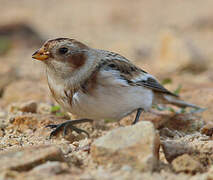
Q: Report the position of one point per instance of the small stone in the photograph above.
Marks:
(184, 124)
(207, 129)
(196, 145)
(173, 149)
(136, 146)
(23, 159)
(50, 168)
(30, 106)
(186, 163)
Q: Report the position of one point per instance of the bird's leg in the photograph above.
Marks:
(68, 124)
(139, 111)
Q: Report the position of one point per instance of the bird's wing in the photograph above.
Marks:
(132, 74)
(149, 81)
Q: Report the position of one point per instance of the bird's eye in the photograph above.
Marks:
(63, 50)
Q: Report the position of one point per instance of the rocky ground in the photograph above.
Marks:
(173, 41)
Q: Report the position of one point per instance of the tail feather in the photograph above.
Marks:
(180, 103)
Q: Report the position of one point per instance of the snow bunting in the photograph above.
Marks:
(97, 84)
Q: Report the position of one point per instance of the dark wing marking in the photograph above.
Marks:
(129, 71)
(154, 85)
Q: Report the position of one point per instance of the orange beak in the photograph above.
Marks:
(41, 55)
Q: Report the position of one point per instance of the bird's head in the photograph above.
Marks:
(68, 52)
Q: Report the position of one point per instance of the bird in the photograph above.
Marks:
(96, 84)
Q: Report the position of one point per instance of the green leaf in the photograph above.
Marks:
(55, 109)
(159, 108)
(60, 114)
(177, 91)
(166, 81)
(5, 45)
(171, 109)
(182, 111)
(109, 120)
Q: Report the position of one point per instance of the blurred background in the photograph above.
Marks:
(170, 39)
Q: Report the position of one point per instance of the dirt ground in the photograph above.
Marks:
(169, 39)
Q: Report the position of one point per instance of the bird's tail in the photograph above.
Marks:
(178, 102)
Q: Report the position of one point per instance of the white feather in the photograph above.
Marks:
(113, 99)
(142, 77)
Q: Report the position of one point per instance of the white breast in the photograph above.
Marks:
(59, 93)
(113, 98)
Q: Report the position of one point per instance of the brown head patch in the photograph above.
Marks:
(77, 60)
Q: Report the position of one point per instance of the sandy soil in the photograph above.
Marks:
(170, 39)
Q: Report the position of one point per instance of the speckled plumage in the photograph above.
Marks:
(99, 84)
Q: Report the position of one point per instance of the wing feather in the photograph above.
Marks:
(154, 85)
(132, 74)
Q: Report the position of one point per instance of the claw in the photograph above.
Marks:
(79, 131)
(65, 129)
(56, 130)
(53, 133)
(51, 126)
(66, 125)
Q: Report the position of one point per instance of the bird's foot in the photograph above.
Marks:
(68, 124)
